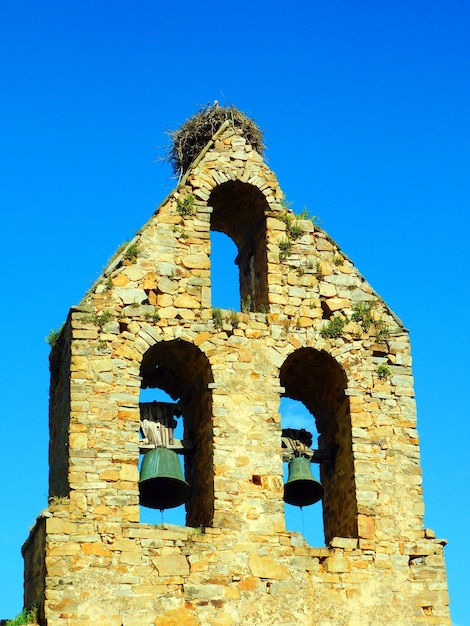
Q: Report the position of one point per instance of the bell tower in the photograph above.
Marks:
(310, 328)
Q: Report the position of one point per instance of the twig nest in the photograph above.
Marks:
(196, 132)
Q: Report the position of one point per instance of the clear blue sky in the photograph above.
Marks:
(365, 106)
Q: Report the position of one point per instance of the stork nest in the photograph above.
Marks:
(198, 130)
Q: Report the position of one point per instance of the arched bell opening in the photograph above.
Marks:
(239, 211)
(158, 410)
(315, 379)
(182, 371)
(298, 433)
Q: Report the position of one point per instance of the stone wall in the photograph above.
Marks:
(134, 574)
(309, 327)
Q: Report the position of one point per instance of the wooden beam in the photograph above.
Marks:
(178, 445)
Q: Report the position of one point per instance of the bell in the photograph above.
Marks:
(161, 484)
(301, 489)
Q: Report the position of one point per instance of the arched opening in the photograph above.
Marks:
(182, 371)
(155, 396)
(239, 211)
(224, 272)
(315, 379)
(309, 520)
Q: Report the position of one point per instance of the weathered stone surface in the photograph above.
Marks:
(264, 567)
(177, 617)
(337, 563)
(121, 280)
(196, 261)
(171, 565)
(185, 301)
(130, 296)
(335, 304)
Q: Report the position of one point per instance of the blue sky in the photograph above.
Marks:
(365, 107)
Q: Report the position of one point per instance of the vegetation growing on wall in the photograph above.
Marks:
(27, 616)
(186, 207)
(53, 336)
(362, 315)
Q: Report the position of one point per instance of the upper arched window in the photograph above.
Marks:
(224, 279)
(239, 211)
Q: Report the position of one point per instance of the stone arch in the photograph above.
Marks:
(316, 379)
(181, 370)
(239, 211)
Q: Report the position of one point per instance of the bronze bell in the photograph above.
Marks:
(301, 489)
(161, 484)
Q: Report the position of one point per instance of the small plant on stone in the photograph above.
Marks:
(156, 315)
(319, 270)
(382, 331)
(109, 284)
(247, 304)
(305, 215)
(104, 318)
(285, 247)
(217, 318)
(285, 203)
(286, 217)
(100, 320)
(362, 313)
(27, 616)
(338, 260)
(233, 319)
(57, 500)
(383, 372)
(297, 324)
(293, 226)
(295, 230)
(186, 207)
(53, 336)
(286, 324)
(131, 253)
(180, 233)
(334, 328)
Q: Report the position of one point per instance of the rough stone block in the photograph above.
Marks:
(265, 567)
(348, 543)
(337, 563)
(177, 617)
(171, 565)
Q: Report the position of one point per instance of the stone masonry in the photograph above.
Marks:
(309, 327)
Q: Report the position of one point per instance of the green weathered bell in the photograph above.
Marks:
(301, 489)
(161, 484)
